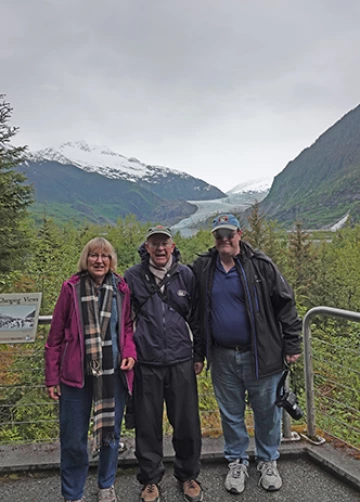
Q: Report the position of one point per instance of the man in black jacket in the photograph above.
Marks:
(251, 326)
(170, 354)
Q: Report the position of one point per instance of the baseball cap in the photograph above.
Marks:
(225, 221)
(159, 229)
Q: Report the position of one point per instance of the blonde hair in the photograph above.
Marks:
(98, 244)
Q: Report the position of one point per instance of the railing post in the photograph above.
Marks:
(309, 377)
(308, 360)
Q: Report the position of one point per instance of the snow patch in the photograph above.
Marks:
(255, 185)
(104, 161)
(340, 223)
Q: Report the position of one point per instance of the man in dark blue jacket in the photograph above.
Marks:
(170, 355)
(251, 325)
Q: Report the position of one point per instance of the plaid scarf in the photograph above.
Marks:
(160, 272)
(99, 357)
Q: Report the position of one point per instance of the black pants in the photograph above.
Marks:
(176, 385)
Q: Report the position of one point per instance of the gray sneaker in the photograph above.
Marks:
(270, 478)
(236, 478)
(107, 494)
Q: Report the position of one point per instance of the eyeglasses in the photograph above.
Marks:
(160, 244)
(96, 256)
(224, 233)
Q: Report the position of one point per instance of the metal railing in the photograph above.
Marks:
(332, 383)
(28, 415)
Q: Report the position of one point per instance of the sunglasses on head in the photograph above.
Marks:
(224, 233)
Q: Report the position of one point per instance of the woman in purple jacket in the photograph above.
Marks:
(89, 360)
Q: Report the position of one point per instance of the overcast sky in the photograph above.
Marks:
(226, 90)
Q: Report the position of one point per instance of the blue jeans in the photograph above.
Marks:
(233, 375)
(75, 409)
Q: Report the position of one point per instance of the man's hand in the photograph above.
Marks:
(127, 364)
(198, 367)
(292, 358)
(54, 392)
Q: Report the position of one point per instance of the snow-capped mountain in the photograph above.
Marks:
(104, 161)
(258, 185)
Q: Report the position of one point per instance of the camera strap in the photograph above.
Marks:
(293, 378)
(280, 391)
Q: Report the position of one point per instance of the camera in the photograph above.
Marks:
(288, 401)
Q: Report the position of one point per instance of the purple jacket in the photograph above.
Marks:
(65, 346)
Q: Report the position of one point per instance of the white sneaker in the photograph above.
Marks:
(235, 480)
(270, 478)
(107, 494)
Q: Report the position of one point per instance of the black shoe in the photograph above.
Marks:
(150, 493)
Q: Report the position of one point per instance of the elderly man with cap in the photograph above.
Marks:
(249, 318)
(170, 355)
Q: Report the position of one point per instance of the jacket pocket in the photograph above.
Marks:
(71, 370)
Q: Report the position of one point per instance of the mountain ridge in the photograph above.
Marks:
(322, 184)
(104, 161)
(63, 178)
(67, 192)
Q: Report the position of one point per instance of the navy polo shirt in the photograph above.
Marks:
(229, 319)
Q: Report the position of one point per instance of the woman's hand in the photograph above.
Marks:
(54, 392)
(127, 364)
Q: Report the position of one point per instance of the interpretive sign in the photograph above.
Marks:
(19, 314)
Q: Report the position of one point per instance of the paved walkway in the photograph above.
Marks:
(310, 474)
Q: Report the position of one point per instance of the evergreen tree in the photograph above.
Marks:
(55, 260)
(255, 233)
(126, 237)
(345, 278)
(275, 244)
(302, 263)
(15, 195)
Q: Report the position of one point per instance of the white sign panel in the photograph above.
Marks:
(19, 314)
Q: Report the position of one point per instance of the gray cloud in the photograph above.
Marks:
(224, 90)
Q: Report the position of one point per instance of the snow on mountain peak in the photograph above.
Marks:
(255, 185)
(81, 145)
(73, 149)
(103, 160)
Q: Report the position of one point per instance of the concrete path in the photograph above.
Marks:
(310, 474)
(303, 482)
